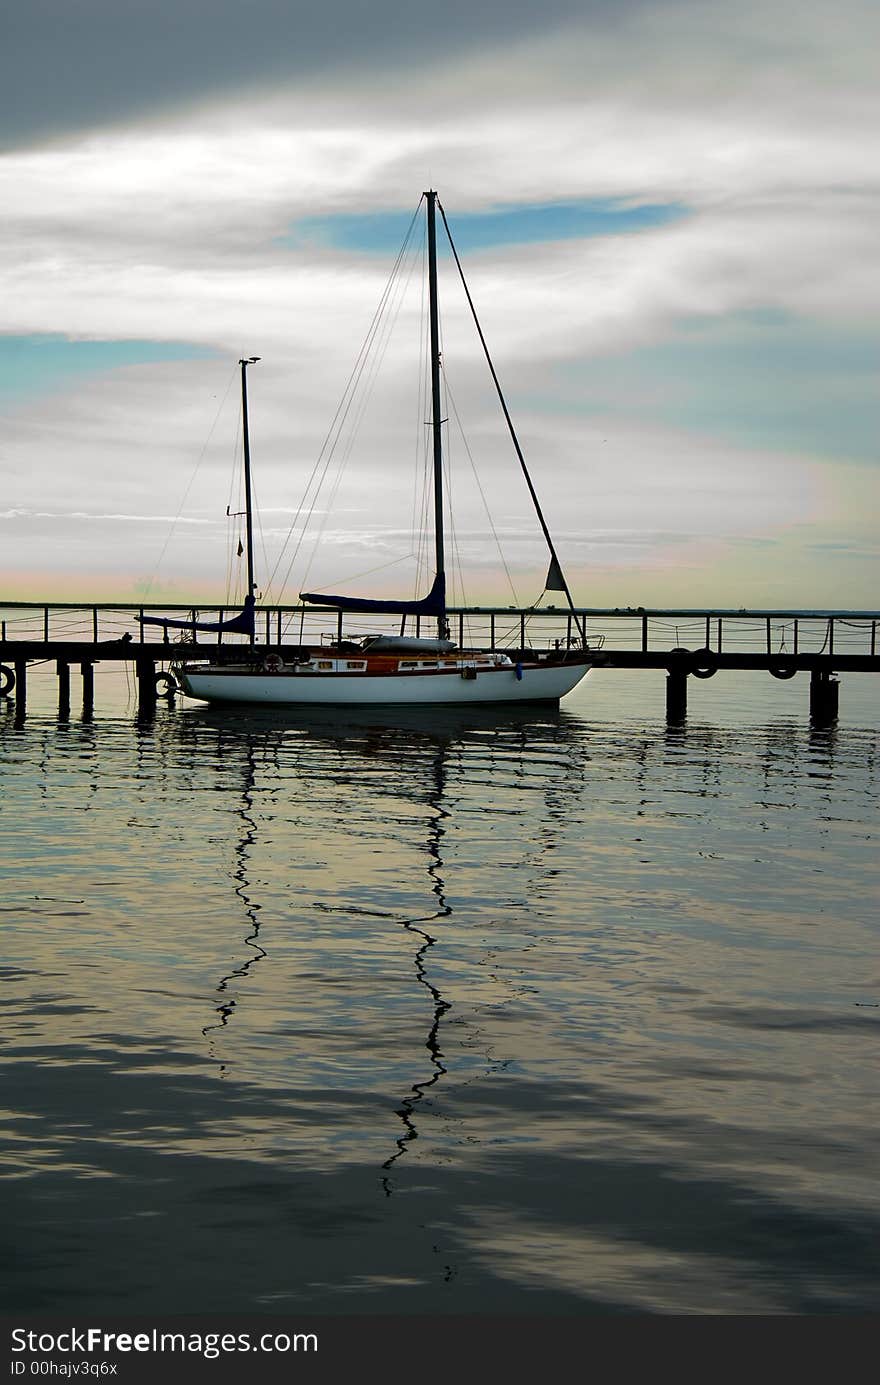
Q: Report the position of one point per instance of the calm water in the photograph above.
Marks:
(502, 1013)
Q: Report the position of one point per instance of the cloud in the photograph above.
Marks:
(96, 518)
(705, 377)
(107, 61)
(181, 228)
(634, 508)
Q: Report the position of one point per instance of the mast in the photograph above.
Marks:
(248, 501)
(436, 420)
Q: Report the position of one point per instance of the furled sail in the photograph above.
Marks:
(242, 624)
(434, 604)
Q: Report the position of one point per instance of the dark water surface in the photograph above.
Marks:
(502, 1012)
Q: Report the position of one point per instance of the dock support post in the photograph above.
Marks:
(20, 688)
(676, 696)
(824, 694)
(62, 668)
(146, 677)
(88, 677)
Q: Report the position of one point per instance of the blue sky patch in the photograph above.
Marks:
(762, 379)
(523, 224)
(42, 362)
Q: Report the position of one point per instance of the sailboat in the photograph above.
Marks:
(385, 669)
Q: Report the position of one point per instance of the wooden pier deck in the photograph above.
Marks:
(686, 643)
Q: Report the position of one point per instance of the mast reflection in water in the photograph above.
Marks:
(251, 908)
(420, 961)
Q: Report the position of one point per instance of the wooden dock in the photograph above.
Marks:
(686, 643)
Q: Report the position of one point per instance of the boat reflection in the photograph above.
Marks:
(410, 752)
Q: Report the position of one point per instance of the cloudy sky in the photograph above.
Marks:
(668, 217)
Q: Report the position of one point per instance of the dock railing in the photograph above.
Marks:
(636, 630)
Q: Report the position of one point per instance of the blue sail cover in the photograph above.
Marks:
(434, 604)
(242, 624)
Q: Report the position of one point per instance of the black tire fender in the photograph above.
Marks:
(705, 663)
(7, 680)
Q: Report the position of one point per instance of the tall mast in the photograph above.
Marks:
(248, 501)
(436, 421)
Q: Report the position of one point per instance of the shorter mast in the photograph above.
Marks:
(248, 501)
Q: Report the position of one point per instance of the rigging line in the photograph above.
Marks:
(189, 484)
(371, 368)
(422, 530)
(456, 575)
(234, 503)
(368, 357)
(236, 480)
(368, 572)
(423, 480)
(488, 512)
(457, 565)
(514, 439)
(383, 339)
(389, 324)
(230, 534)
(420, 452)
(347, 447)
(457, 570)
(332, 443)
(257, 511)
(255, 503)
(350, 385)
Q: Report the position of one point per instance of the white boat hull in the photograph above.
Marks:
(531, 683)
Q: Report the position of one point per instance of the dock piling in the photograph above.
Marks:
(62, 668)
(676, 696)
(20, 688)
(146, 679)
(88, 680)
(824, 697)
